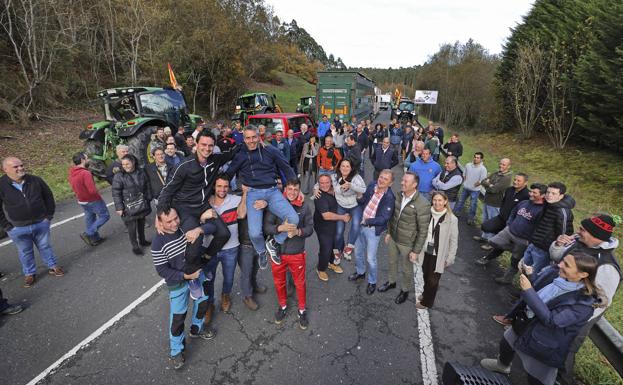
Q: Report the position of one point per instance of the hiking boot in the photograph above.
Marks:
(250, 302)
(303, 321)
(56, 271)
(280, 315)
(196, 289)
(204, 334)
(88, 240)
(262, 261)
(177, 361)
(486, 247)
(207, 318)
(322, 275)
(29, 280)
(272, 248)
(12, 310)
(482, 261)
(137, 250)
(348, 252)
(225, 303)
(98, 241)
(494, 365)
(336, 269)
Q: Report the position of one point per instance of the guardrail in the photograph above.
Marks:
(609, 342)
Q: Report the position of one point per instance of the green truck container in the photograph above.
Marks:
(345, 94)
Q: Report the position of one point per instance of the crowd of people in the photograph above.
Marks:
(250, 197)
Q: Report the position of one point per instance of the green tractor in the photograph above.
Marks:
(307, 105)
(131, 117)
(254, 103)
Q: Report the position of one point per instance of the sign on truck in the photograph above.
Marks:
(344, 94)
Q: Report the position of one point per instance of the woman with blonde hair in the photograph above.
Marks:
(439, 249)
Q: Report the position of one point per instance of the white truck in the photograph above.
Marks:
(384, 101)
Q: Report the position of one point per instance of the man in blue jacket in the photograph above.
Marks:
(259, 167)
(324, 126)
(427, 169)
(377, 204)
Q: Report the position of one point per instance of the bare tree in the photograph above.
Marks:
(560, 115)
(525, 86)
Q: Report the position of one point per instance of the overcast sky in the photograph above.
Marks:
(401, 33)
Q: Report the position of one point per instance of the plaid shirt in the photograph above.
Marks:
(373, 205)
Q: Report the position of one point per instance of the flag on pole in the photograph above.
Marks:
(172, 77)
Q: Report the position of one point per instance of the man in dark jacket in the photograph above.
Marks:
(519, 228)
(259, 167)
(495, 185)
(292, 251)
(450, 180)
(26, 210)
(454, 147)
(352, 151)
(157, 172)
(188, 191)
(594, 237)
(377, 204)
(385, 157)
(557, 219)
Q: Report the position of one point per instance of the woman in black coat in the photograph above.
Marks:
(132, 194)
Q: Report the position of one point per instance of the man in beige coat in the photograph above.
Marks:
(406, 234)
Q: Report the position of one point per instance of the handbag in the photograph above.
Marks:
(521, 322)
(134, 204)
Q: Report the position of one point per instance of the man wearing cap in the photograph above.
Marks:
(594, 237)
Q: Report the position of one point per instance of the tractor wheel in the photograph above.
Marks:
(95, 147)
(139, 145)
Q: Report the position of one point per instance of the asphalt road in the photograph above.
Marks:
(353, 338)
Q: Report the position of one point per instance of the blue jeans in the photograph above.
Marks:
(25, 237)
(473, 203)
(489, 212)
(278, 205)
(178, 306)
(95, 215)
(369, 241)
(535, 257)
(228, 259)
(355, 226)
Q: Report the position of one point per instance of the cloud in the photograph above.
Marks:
(401, 33)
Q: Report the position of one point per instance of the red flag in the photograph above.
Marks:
(172, 77)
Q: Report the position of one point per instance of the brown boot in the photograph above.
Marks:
(208, 316)
(225, 303)
(250, 302)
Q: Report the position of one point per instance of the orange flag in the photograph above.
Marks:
(172, 77)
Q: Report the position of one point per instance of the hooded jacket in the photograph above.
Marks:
(83, 185)
(32, 205)
(294, 245)
(556, 219)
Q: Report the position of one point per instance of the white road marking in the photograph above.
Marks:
(8, 242)
(96, 333)
(427, 351)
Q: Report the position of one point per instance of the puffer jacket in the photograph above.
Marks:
(557, 323)
(556, 219)
(410, 227)
(129, 186)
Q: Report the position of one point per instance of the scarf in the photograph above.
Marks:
(555, 289)
(297, 202)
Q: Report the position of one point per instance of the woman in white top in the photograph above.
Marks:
(440, 248)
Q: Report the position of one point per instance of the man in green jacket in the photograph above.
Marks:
(495, 185)
(406, 234)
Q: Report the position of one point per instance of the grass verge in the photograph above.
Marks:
(289, 93)
(596, 186)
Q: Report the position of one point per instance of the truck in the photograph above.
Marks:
(344, 94)
(384, 101)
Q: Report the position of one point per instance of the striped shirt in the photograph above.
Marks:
(167, 251)
(228, 211)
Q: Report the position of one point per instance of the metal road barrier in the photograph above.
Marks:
(609, 342)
